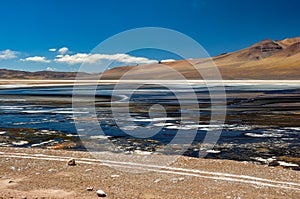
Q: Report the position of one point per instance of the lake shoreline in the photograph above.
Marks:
(44, 117)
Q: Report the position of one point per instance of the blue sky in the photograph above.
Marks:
(30, 28)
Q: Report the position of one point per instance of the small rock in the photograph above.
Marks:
(10, 181)
(24, 197)
(71, 162)
(157, 180)
(177, 179)
(274, 163)
(101, 193)
(127, 152)
(115, 176)
(88, 170)
(90, 189)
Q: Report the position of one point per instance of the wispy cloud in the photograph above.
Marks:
(36, 59)
(8, 54)
(63, 50)
(50, 69)
(94, 58)
(167, 60)
(52, 49)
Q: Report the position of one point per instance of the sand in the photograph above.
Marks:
(41, 173)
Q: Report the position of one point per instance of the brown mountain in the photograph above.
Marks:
(264, 60)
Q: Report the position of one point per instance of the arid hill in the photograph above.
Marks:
(15, 74)
(264, 60)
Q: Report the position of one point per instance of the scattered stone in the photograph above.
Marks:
(115, 176)
(87, 170)
(127, 152)
(274, 163)
(101, 193)
(24, 197)
(157, 180)
(90, 189)
(177, 179)
(10, 181)
(71, 162)
(51, 170)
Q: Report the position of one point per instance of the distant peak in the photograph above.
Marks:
(265, 41)
(290, 41)
(289, 38)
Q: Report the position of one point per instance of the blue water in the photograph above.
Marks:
(261, 115)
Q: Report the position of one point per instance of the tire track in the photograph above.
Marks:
(163, 169)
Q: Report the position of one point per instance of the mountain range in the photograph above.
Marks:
(264, 60)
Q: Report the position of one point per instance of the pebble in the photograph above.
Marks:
(157, 180)
(10, 181)
(115, 176)
(52, 170)
(274, 163)
(101, 193)
(71, 162)
(90, 189)
(177, 179)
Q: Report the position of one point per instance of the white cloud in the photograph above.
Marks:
(8, 54)
(36, 59)
(94, 58)
(52, 49)
(63, 50)
(50, 69)
(167, 60)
